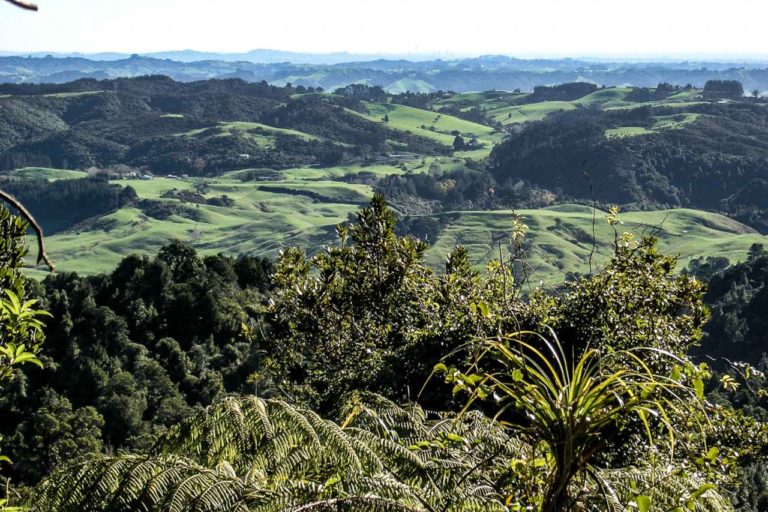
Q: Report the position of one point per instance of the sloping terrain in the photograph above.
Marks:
(266, 217)
(252, 168)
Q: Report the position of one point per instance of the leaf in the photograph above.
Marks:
(643, 503)
(698, 386)
(701, 490)
(454, 437)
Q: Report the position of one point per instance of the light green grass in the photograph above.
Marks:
(154, 188)
(265, 220)
(437, 126)
(530, 112)
(675, 122)
(47, 173)
(612, 96)
(489, 100)
(552, 252)
(690, 95)
(264, 135)
(409, 84)
(626, 131)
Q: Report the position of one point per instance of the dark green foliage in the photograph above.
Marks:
(59, 205)
(716, 163)
(723, 89)
(363, 92)
(738, 299)
(173, 127)
(661, 92)
(752, 495)
(54, 434)
(134, 352)
(563, 92)
(248, 453)
(637, 300)
(161, 210)
(419, 193)
(12, 251)
(371, 300)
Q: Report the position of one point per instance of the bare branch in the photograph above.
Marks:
(23, 4)
(41, 255)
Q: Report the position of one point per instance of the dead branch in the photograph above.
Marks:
(41, 255)
(23, 4)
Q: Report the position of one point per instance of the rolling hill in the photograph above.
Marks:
(235, 167)
(267, 217)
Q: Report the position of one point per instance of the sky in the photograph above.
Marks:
(531, 28)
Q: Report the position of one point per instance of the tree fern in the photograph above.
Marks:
(249, 454)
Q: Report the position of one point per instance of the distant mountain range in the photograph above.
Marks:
(396, 75)
(258, 56)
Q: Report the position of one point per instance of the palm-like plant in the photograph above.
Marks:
(573, 408)
(253, 454)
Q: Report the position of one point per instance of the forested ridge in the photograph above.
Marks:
(161, 124)
(717, 162)
(338, 365)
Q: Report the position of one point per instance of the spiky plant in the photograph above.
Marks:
(655, 488)
(572, 409)
(265, 455)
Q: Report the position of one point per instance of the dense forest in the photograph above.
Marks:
(362, 379)
(347, 372)
(717, 162)
(273, 281)
(172, 127)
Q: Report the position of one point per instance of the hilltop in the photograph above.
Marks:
(239, 167)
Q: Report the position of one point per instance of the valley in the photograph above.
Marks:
(304, 207)
(254, 169)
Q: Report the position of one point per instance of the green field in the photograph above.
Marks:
(604, 98)
(262, 134)
(560, 236)
(47, 173)
(265, 218)
(301, 206)
(675, 122)
(489, 100)
(626, 131)
(303, 211)
(432, 125)
(529, 112)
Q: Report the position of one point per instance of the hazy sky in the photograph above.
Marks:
(532, 28)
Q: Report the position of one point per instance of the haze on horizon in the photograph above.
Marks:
(446, 28)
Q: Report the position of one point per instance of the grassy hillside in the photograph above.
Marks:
(433, 125)
(46, 173)
(560, 237)
(287, 201)
(530, 112)
(269, 216)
